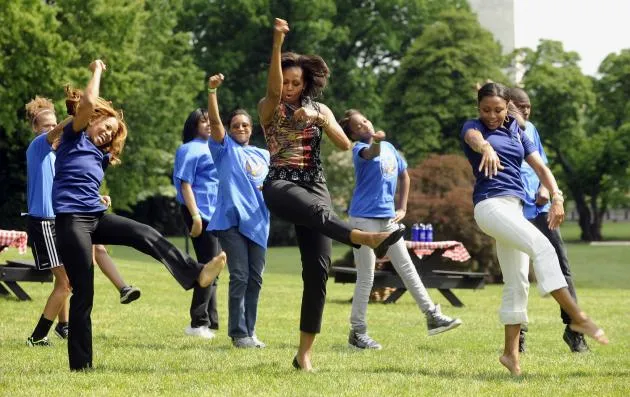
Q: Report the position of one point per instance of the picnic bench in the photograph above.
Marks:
(426, 258)
(14, 271)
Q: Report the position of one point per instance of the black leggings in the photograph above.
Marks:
(75, 235)
(309, 207)
(203, 306)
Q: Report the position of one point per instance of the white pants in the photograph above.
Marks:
(366, 261)
(516, 239)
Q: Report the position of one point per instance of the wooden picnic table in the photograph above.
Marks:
(424, 256)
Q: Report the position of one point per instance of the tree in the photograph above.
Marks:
(588, 143)
(432, 94)
(33, 62)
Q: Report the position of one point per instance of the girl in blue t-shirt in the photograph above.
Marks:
(40, 166)
(241, 220)
(196, 181)
(495, 147)
(378, 167)
(89, 142)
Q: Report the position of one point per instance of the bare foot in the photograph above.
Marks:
(589, 328)
(511, 364)
(303, 363)
(211, 270)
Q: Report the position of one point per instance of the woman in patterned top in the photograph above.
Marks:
(295, 188)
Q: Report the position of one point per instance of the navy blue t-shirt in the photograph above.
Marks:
(512, 146)
(79, 171)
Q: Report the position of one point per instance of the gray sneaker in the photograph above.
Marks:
(246, 342)
(575, 340)
(362, 341)
(438, 322)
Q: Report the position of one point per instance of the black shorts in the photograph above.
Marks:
(43, 241)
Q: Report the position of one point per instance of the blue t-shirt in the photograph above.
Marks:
(531, 183)
(376, 182)
(79, 171)
(40, 173)
(511, 145)
(194, 165)
(242, 171)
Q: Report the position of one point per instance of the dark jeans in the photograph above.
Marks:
(75, 235)
(203, 306)
(555, 238)
(309, 207)
(246, 265)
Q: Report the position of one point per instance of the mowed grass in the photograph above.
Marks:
(140, 349)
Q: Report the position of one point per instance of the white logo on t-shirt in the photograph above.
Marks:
(389, 165)
(255, 168)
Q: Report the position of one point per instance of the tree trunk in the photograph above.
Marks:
(584, 213)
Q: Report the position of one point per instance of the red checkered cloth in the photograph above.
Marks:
(453, 250)
(13, 238)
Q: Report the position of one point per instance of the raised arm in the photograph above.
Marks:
(556, 212)
(90, 96)
(268, 104)
(490, 163)
(217, 131)
(54, 134)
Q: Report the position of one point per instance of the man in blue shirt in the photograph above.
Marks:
(536, 208)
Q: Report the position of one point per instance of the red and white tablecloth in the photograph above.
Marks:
(453, 250)
(13, 238)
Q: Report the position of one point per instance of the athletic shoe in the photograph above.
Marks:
(129, 294)
(258, 342)
(522, 345)
(362, 341)
(575, 340)
(438, 322)
(41, 342)
(246, 342)
(61, 331)
(202, 332)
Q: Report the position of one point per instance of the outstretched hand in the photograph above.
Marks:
(378, 135)
(215, 81)
(305, 116)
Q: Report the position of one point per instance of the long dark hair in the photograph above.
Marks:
(314, 71)
(191, 129)
(497, 89)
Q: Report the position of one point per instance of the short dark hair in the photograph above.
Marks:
(239, 112)
(314, 69)
(518, 95)
(190, 130)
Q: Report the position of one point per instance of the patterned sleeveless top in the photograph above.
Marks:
(294, 148)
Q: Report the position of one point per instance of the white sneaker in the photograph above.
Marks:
(202, 332)
(258, 342)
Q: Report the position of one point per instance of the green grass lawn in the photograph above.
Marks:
(140, 349)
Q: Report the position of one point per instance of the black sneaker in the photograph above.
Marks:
(362, 341)
(575, 340)
(522, 345)
(41, 342)
(438, 322)
(129, 294)
(61, 331)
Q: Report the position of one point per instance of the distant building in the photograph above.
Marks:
(499, 17)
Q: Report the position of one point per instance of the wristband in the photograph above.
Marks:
(212, 90)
